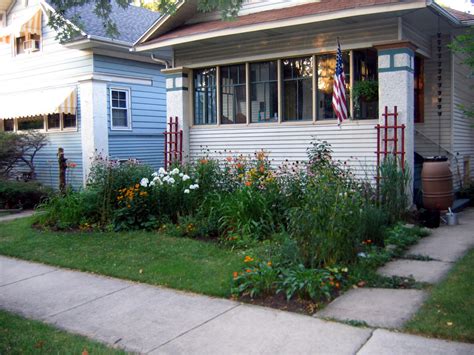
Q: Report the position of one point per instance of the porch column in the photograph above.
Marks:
(396, 88)
(94, 125)
(177, 102)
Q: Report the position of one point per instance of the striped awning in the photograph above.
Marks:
(36, 103)
(29, 22)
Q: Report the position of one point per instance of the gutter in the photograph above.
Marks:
(90, 39)
(446, 14)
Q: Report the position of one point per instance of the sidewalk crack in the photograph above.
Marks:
(365, 342)
(87, 302)
(29, 278)
(193, 328)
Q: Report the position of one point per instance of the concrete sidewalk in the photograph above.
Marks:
(147, 319)
(13, 216)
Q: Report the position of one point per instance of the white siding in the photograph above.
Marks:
(53, 64)
(463, 129)
(296, 40)
(354, 142)
(435, 131)
(417, 37)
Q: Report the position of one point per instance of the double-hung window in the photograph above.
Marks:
(205, 96)
(233, 95)
(264, 92)
(120, 113)
(297, 89)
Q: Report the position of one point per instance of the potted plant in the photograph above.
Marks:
(364, 91)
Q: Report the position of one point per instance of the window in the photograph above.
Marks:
(297, 89)
(205, 99)
(326, 67)
(69, 120)
(233, 95)
(27, 44)
(264, 92)
(31, 124)
(54, 121)
(8, 125)
(365, 80)
(120, 108)
(419, 90)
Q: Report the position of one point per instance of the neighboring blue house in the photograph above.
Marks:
(88, 95)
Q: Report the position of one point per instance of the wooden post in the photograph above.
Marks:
(62, 170)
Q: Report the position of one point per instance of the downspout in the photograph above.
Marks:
(160, 61)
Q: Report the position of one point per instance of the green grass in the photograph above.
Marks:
(449, 311)
(23, 336)
(149, 257)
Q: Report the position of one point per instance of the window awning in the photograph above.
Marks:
(36, 103)
(30, 22)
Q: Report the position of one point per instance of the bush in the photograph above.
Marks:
(19, 194)
(70, 211)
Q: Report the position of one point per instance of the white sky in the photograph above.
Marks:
(462, 5)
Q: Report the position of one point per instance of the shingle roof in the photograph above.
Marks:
(324, 6)
(460, 15)
(131, 22)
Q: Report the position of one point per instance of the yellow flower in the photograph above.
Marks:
(248, 259)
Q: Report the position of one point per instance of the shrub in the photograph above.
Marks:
(19, 194)
(70, 211)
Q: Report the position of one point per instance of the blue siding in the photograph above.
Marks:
(145, 141)
(46, 162)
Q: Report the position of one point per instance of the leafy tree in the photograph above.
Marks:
(103, 8)
(464, 44)
(17, 149)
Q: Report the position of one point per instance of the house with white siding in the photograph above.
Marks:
(89, 95)
(264, 80)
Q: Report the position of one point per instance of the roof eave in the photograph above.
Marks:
(91, 41)
(283, 23)
(443, 12)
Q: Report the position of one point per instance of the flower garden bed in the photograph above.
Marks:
(304, 231)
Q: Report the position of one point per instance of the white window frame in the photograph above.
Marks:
(128, 108)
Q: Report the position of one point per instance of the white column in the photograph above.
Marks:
(396, 88)
(177, 102)
(94, 125)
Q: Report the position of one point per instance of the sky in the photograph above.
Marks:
(462, 5)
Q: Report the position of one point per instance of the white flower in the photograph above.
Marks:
(187, 191)
(171, 181)
(181, 174)
(362, 255)
(185, 177)
(194, 186)
(162, 171)
(155, 174)
(152, 183)
(144, 182)
(175, 171)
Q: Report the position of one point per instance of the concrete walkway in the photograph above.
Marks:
(157, 320)
(391, 308)
(12, 216)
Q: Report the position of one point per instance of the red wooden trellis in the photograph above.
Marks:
(173, 143)
(390, 139)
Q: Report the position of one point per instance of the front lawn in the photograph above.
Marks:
(149, 257)
(23, 336)
(449, 312)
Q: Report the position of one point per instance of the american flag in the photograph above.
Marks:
(339, 90)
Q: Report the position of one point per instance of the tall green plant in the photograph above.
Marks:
(393, 189)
